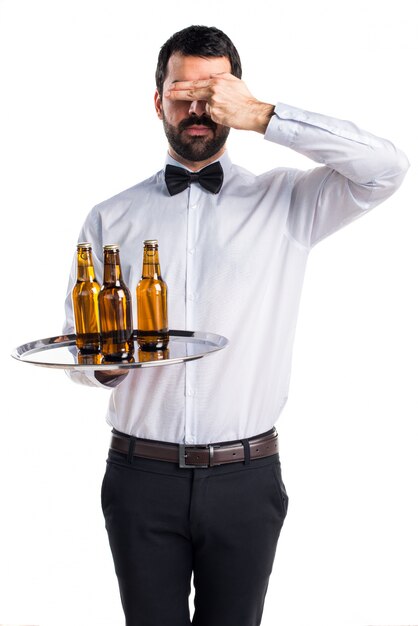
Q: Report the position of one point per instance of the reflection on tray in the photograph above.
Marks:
(89, 359)
(141, 356)
(156, 355)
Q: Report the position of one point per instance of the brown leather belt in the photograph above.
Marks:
(197, 456)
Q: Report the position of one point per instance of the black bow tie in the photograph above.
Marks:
(178, 179)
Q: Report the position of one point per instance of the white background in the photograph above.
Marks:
(77, 126)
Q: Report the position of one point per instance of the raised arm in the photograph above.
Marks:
(359, 171)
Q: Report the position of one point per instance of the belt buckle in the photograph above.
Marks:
(183, 456)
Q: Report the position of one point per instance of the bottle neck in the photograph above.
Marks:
(112, 272)
(85, 269)
(151, 264)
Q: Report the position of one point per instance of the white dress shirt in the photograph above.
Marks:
(234, 265)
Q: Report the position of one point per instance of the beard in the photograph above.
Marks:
(198, 148)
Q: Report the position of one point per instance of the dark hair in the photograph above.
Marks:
(202, 41)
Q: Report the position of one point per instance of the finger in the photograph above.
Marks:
(189, 84)
(226, 75)
(182, 85)
(188, 94)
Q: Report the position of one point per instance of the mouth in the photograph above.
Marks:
(197, 130)
(198, 126)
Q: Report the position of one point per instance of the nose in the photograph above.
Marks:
(197, 107)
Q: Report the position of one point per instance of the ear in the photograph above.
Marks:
(158, 104)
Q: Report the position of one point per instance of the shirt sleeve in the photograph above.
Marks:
(91, 232)
(359, 170)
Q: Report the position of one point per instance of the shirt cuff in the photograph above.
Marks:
(279, 130)
(85, 377)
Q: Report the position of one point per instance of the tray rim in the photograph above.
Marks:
(217, 342)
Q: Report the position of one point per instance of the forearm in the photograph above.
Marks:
(358, 155)
(360, 171)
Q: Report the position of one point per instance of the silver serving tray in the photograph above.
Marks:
(61, 352)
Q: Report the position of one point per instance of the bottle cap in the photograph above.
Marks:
(112, 247)
(151, 242)
(84, 246)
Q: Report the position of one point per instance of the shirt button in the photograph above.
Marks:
(192, 250)
(193, 206)
(189, 393)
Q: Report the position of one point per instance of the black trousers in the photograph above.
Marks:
(220, 525)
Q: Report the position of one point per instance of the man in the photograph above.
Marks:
(233, 248)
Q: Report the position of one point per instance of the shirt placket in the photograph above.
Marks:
(191, 295)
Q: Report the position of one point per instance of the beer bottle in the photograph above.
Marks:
(151, 297)
(85, 302)
(115, 310)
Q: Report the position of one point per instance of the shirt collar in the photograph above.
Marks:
(224, 160)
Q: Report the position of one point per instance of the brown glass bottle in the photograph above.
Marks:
(115, 310)
(85, 296)
(151, 297)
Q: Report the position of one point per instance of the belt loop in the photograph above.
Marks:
(247, 453)
(131, 449)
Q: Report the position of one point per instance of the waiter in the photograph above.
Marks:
(193, 484)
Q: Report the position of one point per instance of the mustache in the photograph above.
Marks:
(194, 120)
